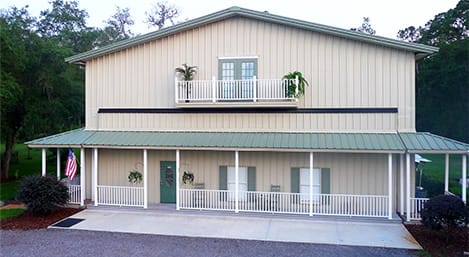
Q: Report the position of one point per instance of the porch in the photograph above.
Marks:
(226, 179)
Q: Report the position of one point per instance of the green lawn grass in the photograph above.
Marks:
(434, 174)
(26, 165)
(7, 213)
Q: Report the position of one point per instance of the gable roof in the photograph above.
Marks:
(419, 49)
(255, 141)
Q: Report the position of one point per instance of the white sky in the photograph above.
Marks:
(386, 17)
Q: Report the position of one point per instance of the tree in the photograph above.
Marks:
(35, 81)
(15, 41)
(365, 27)
(442, 79)
(410, 34)
(160, 14)
(117, 27)
(63, 22)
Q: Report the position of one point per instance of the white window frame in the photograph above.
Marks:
(304, 185)
(242, 182)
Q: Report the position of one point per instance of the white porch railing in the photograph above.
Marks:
(120, 196)
(204, 199)
(74, 192)
(416, 205)
(351, 205)
(291, 203)
(252, 90)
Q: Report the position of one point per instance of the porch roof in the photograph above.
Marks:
(423, 142)
(273, 141)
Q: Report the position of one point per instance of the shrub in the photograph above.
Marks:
(445, 211)
(43, 195)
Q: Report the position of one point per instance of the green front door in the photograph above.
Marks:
(167, 182)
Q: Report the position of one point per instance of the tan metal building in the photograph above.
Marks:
(235, 138)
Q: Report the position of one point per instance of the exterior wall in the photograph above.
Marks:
(342, 73)
(114, 166)
(361, 174)
(350, 122)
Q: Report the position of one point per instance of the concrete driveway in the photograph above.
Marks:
(259, 227)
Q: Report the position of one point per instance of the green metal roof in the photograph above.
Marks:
(325, 142)
(427, 142)
(263, 16)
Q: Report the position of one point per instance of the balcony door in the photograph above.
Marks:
(236, 76)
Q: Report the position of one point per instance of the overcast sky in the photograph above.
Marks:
(386, 17)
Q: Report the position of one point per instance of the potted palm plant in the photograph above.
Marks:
(291, 90)
(186, 73)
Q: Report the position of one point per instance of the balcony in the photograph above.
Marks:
(235, 93)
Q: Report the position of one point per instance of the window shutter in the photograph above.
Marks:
(295, 180)
(223, 178)
(325, 181)
(251, 178)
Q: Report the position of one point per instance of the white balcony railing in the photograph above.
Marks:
(252, 90)
(416, 206)
(291, 203)
(120, 196)
(74, 192)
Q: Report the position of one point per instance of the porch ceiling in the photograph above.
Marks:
(273, 141)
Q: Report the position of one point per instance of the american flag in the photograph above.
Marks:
(71, 167)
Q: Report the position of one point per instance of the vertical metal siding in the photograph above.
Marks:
(341, 72)
(353, 174)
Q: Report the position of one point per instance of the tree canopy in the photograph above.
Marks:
(365, 27)
(442, 79)
(40, 94)
(161, 14)
(35, 81)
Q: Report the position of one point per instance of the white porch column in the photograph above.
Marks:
(236, 181)
(177, 179)
(390, 186)
(58, 163)
(82, 176)
(464, 177)
(311, 163)
(407, 188)
(401, 183)
(446, 173)
(43, 162)
(145, 179)
(95, 176)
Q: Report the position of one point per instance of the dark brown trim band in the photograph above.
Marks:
(248, 110)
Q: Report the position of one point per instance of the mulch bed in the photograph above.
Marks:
(434, 242)
(27, 221)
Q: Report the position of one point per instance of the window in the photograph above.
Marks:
(304, 184)
(242, 180)
(236, 75)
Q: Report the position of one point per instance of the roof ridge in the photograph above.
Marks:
(264, 16)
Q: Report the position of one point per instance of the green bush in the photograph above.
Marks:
(445, 212)
(43, 195)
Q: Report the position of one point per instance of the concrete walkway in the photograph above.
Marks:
(265, 228)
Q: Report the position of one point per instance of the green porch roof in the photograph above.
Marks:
(426, 142)
(321, 142)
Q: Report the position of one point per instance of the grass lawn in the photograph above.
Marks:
(7, 213)
(25, 166)
(434, 174)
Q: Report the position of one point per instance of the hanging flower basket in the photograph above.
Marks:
(135, 177)
(188, 177)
